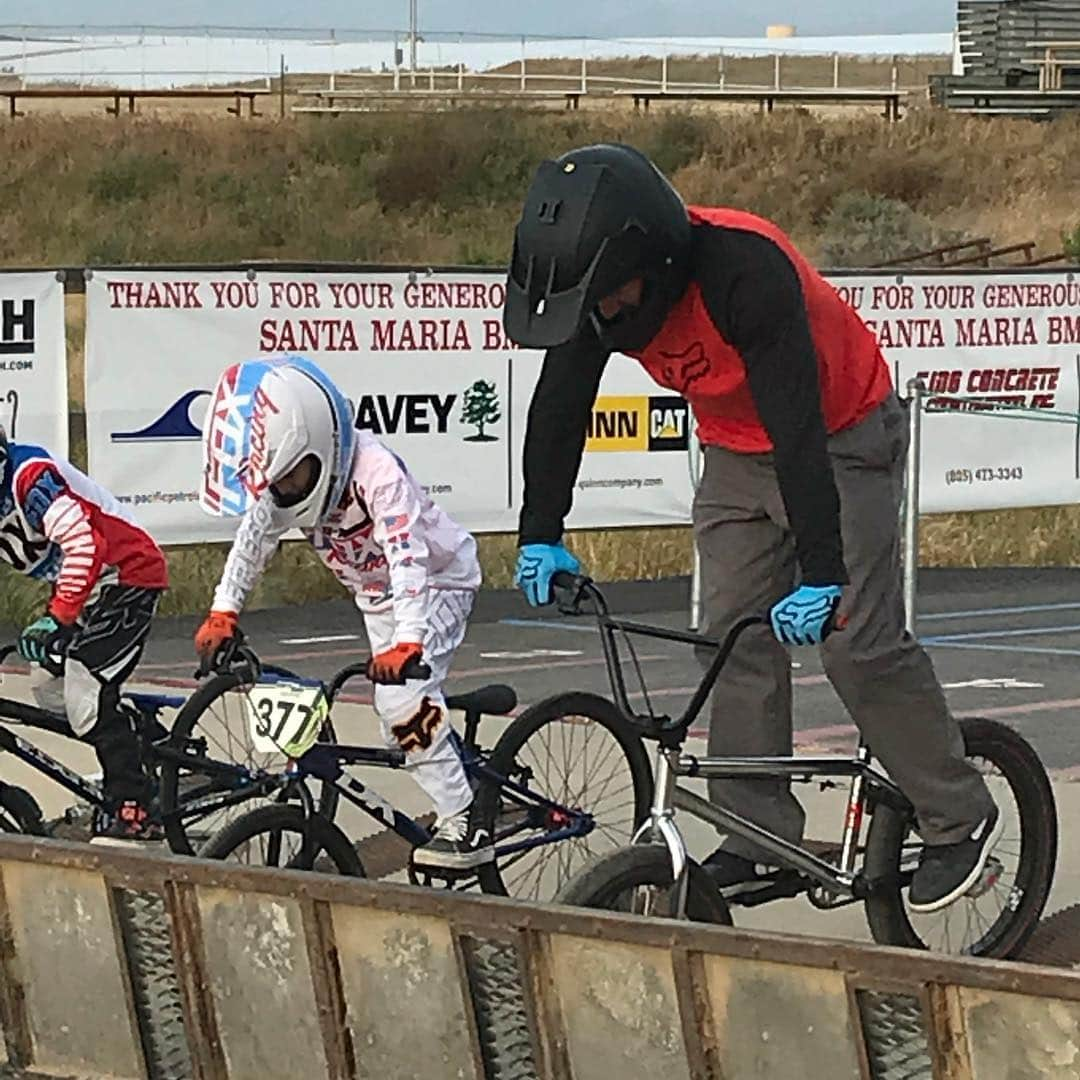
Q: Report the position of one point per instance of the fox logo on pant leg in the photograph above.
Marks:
(418, 732)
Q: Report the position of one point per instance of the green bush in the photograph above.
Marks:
(676, 140)
(867, 230)
(1070, 242)
(132, 176)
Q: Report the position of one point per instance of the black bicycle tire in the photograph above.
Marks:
(18, 804)
(186, 719)
(642, 864)
(290, 818)
(523, 727)
(1013, 755)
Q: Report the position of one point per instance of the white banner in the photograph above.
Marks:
(33, 360)
(1000, 355)
(422, 356)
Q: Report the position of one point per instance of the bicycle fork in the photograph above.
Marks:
(661, 823)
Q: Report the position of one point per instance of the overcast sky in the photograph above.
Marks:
(712, 18)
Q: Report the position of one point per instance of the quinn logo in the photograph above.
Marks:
(638, 423)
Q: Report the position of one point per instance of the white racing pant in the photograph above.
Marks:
(414, 716)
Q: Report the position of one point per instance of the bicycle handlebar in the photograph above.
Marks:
(236, 651)
(54, 665)
(416, 669)
(229, 655)
(579, 587)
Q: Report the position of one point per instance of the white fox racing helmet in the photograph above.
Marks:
(266, 417)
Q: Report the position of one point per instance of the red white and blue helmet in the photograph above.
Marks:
(265, 418)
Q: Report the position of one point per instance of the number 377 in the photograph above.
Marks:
(265, 708)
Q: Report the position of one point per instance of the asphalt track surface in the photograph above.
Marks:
(1005, 643)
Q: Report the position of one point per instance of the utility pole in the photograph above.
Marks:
(412, 40)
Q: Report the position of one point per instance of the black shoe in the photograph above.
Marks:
(733, 874)
(455, 845)
(131, 823)
(947, 871)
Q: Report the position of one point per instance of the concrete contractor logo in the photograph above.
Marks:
(624, 423)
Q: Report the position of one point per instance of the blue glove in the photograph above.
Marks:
(803, 617)
(40, 639)
(535, 566)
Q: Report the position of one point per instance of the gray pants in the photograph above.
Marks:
(882, 674)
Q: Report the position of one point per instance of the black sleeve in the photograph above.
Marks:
(555, 436)
(753, 294)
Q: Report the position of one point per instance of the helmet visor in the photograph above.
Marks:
(297, 484)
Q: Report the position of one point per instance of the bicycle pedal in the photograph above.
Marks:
(440, 879)
(782, 885)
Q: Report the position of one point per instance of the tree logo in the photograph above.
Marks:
(480, 409)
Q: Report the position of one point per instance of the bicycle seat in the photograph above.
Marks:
(154, 703)
(493, 700)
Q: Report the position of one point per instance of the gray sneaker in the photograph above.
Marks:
(455, 845)
(947, 871)
(734, 874)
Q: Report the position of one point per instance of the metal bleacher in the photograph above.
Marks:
(1004, 71)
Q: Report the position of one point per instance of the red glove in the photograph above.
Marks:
(219, 627)
(389, 667)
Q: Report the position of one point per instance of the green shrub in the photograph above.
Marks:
(676, 140)
(131, 176)
(867, 230)
(1070, 242)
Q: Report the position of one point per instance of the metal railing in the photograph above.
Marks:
(148, 57)
(213, 970)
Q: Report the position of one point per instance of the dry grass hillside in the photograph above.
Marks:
(445, 188)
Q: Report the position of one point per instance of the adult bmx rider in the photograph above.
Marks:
(797, 511)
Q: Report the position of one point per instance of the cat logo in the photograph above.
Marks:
(628, 423)
(669, 419)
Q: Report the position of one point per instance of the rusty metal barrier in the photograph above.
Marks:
(126, 965)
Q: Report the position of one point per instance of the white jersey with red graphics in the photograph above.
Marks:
(385, 541)
(56, 524)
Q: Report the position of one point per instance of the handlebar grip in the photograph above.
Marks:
(416, 669)
(563, 579)
(54, 665)
(226, 656)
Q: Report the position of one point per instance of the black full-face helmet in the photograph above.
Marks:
(595, 219)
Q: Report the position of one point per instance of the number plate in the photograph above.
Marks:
(286, 718)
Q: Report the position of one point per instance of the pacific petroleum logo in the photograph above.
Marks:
(173, 425)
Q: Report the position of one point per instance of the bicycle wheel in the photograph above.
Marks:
(574, 750)
(20, 812)
(274, 836)
(995, 918)
(637, 880)
(213, 725)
